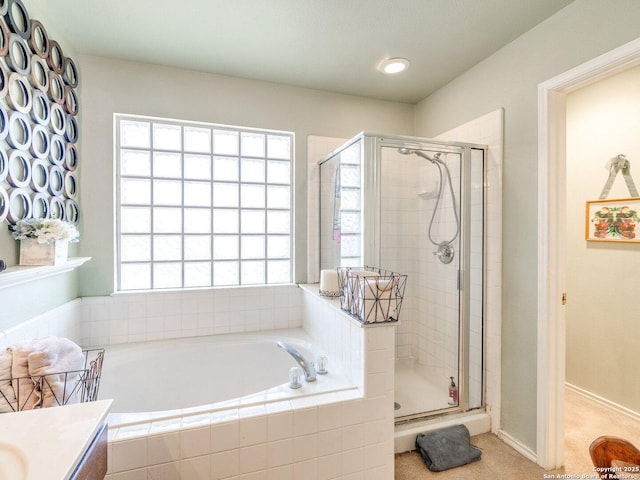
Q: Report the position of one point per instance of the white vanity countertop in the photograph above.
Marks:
(48, 442)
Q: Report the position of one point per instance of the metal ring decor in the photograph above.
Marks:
(71, 132)
(70, 101)
(39, 74)
(18, 59)
(4, 82)
(70, 74)
(58, 122)
(19, 96)
(56, 180)
(4, 204)
(19, 205)
(56, 88)
(70, 185)
(18, 18)
(19, 131)
(71, 211)
(4, 33)
(40, 144)
(39, 40)
(55, 59)
(4, 122)
(4, 165)
(19, 169)
(40, 112)
(39, 205)
(4, 7)
(56, 150)
(39, 176)
(56, 207)
(71, 157)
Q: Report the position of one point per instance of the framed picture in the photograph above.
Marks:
(615, 220)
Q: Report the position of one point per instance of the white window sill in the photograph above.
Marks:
(21, 273)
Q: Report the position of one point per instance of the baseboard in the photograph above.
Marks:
(604, 402)
(517, 446)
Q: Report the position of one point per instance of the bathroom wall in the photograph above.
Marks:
(509, 78)
(603, 334)
(111, 86)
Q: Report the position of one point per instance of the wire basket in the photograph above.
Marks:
(56, 389)
(370, 294)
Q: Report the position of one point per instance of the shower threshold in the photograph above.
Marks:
(477, 421)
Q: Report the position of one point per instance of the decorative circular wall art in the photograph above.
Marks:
(38, 126)
(39, 205)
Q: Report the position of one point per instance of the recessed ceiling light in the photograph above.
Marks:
(394, 65)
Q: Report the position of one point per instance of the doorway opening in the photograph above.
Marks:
(552, 233)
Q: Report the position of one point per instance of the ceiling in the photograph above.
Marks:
(332, 45)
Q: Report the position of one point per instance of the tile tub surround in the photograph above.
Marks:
(337, 435)
(347, 434)
(146, 316)
(63, 321)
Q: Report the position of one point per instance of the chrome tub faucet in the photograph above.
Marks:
(307, 366)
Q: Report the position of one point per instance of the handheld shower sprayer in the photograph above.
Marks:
(445, 251)
(408, 151)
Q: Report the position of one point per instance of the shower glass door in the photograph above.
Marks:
(382, 204)
(434, 234)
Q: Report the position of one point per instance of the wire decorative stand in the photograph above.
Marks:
(59, 388)
(370, 294)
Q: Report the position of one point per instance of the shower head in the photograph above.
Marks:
(409, 151)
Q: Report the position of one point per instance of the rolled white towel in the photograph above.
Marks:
(59, 363)
(375, 299)
(7, 393)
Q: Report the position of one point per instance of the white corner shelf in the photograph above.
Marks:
(21, 273)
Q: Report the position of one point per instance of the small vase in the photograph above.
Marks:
(53, 253)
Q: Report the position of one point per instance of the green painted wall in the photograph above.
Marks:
(509, 79)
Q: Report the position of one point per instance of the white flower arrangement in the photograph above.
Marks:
(45, 230)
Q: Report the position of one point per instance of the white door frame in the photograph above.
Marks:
(552, 239)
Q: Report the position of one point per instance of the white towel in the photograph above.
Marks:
(28, 396)
(57, 357)
(356, 283)
(7, 393)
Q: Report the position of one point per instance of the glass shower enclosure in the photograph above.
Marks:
(416, 206)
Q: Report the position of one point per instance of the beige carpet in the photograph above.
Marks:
(585, 420)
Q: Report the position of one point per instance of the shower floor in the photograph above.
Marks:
(415, 393)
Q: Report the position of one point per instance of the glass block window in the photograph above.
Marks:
(201, 205)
